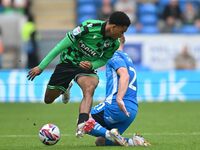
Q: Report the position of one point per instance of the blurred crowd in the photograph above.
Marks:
(147, 16)
(28, 30)
(15, 6)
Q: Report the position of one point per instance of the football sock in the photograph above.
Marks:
(98, 130)
(83, 117)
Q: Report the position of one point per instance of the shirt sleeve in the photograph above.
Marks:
(117, 62)
(77, 32)
(63, 44)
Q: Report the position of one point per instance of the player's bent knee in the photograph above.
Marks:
(51, 95)
(87, 82)
(48, 101)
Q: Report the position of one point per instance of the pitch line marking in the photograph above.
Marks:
(128, 134)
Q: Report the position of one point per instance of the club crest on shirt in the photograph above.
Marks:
(106, 44)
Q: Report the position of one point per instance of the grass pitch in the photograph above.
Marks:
(168, 126)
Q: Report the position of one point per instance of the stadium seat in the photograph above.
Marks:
(147, 8)
(164, 2)
(150, 29)
(84, 1)
(85, 17)
(87, 9)
(176, 30)
(150, 19)
(190, 29)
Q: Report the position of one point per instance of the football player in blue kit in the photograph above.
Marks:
(112, 117)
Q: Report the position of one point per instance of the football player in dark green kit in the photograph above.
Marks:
(82, 50)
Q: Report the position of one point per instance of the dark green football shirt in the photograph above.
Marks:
(86, 42)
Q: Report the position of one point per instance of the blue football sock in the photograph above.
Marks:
(98, 130)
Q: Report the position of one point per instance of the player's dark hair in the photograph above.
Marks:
(119, 18)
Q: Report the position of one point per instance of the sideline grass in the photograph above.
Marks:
(168, 126)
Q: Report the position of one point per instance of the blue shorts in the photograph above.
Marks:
(110, 116)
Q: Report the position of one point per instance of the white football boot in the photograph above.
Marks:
(85, 127)
(138, 140)
(79, 130)
(66, 95)
(114, 134)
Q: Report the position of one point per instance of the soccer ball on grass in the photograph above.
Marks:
(49, 134)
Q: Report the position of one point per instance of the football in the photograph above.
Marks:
(49, 134)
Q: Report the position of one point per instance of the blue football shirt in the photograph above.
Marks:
(120, 59)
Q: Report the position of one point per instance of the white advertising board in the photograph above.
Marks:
(159, 51)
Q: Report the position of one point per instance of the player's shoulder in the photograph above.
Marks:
(88, 26)
(116, 57)
(125, 57)
(119, 55)
(92, 25)
(116, 61)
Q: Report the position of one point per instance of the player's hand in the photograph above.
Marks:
(85, 65)
(122, 107)
(33, 73)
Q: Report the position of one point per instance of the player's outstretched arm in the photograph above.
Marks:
(63, 44)
(123, 85)
(33, 73)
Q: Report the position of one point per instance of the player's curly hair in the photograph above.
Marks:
(119, 18)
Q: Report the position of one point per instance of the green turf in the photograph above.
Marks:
(168, 126)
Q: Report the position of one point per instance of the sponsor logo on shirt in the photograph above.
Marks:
(86, 50)
(76, 31)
